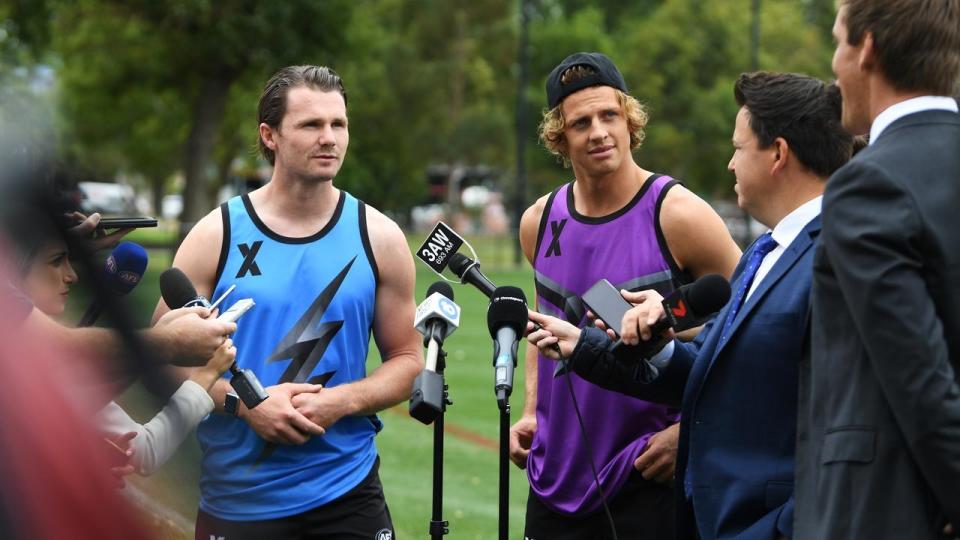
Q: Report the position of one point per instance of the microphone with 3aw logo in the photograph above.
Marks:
(436, 318)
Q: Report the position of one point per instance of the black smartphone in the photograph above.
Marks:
(605, 301)
(127, 223)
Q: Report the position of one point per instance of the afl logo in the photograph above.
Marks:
(384, 534)
(130, 278)
(111, 265)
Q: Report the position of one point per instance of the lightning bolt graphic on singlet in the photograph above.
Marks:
(305, 344)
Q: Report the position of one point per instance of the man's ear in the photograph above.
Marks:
(781, 155)
(868, 53)
(267, 136)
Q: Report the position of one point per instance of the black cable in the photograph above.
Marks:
(586, 442)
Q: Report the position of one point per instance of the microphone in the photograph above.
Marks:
(468, 270)
(121, 273)
(506, 320)
(689, 305)
(686, 307)
(436, 318)
(177, 291)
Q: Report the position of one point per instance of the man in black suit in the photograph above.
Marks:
(879, 435)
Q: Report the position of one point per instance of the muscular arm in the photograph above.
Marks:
(195, 259)
(696, 236)
(529, 225)
(521, 433)
(393, 330)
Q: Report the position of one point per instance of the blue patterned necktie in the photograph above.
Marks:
(763, 245)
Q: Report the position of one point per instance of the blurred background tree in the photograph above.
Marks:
(162, 94)
(159, 90)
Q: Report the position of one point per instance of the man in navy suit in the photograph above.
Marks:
(737, 382)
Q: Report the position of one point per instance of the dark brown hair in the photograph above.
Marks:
(802, 110)
(273, 100)
(917, 42)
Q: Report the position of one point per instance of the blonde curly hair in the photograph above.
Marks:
(551, 126)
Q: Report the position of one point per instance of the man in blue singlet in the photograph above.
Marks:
(639, 230)
(325, 271)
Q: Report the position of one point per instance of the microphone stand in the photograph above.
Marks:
(428, 403)
(438, 525)
(503, 403)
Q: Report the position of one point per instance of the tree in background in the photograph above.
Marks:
(680, 58)
(151, 88)
(182, 57)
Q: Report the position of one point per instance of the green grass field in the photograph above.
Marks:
(405, 445)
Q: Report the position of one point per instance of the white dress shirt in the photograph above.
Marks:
(784, 233)
(914, 105)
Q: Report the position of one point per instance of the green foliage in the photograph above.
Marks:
(430, 81)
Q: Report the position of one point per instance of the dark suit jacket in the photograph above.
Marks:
(739, 403)
(879, 434)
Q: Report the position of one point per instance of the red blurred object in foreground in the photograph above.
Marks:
(56, 480)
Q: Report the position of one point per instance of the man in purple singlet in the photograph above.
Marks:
(639, 230)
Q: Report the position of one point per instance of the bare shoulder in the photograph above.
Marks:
(199, 254)
(530, 226)
(696, 235)
(683, 208)
(389, 245)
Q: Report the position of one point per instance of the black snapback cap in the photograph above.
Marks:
(605, 74)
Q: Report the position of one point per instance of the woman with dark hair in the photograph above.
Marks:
(45, 276)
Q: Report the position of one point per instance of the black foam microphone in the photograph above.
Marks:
(689, 305)
(686, 307)
(178, 291)
(468, 270)
(506, 320)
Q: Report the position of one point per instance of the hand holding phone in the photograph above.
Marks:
(127, 223)
(605, 301)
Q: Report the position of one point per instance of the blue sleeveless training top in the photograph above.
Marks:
(311, 323)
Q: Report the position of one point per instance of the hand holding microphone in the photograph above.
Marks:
(177, 291)
(121, 273)
(684, 308)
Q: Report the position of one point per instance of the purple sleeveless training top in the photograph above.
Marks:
(574, 252)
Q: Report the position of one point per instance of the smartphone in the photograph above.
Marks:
(605, 301)
(116, 456)
(236, 310)
(127, 223)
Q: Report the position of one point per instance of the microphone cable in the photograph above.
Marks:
(586, 443)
